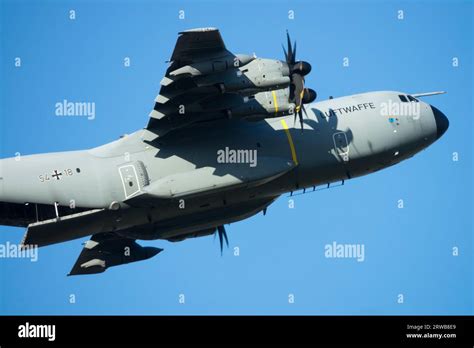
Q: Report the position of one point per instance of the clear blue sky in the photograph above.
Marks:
(407, 251)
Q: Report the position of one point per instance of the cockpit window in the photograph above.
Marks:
(412, 98)
(403, 98)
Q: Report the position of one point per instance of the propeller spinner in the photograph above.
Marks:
(298, 93)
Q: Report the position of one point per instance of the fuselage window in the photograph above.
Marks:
(412, 98)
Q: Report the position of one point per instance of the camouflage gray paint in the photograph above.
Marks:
(171, 185)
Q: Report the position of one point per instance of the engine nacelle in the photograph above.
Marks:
(214, 66)
(258, 75)
(264, 105)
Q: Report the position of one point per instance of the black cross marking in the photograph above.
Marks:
(56, 175)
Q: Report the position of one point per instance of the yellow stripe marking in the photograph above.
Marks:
(275, 101)
(290, 141)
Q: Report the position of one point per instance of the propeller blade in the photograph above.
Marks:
(220, 239)
(294, 54)
(225, 238)
(298, 81)
(299, 95)
(292, 92)
(289, 59)
(300, 116)
(304, 110)
(222, 235)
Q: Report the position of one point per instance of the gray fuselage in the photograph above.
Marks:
(192, 172)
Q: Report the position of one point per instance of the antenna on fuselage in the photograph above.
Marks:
(427, 94)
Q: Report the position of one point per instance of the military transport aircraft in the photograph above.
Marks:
(229, 133)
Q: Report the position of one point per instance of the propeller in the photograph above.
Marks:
(298, 69)
(222, 236)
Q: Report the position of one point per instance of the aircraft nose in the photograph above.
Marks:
(442, 122)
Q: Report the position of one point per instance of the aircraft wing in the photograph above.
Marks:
(193, 45)
(197, 52)
(205, 82)
(108, 249)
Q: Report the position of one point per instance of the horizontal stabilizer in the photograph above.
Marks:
(69, 227)
(106, 250)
